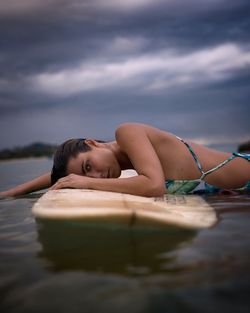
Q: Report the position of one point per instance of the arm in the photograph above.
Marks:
(38, 183)
(137, 185)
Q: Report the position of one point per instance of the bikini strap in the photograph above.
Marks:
(241, 155)
(193, 154)
(233, 156)
(204, 174)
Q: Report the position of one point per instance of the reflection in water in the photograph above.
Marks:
(229, 204)
(107, 248)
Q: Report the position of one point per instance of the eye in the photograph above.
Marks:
(87, 167)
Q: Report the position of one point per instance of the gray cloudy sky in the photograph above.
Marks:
(78, 68)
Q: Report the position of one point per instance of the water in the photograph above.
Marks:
(70, 267)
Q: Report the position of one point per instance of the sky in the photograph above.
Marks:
(79, 68)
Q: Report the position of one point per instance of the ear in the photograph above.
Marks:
(92, 143)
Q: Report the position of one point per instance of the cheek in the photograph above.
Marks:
(101, 163)
(110, 161)
(106, 161)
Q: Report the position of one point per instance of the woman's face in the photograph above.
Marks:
(99, 162)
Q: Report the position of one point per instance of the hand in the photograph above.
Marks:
(71, 181)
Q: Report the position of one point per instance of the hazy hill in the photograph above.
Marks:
(36, 149)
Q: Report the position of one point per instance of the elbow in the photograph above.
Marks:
(155, 191)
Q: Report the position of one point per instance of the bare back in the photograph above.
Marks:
(178, 163)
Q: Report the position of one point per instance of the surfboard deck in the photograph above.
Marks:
(185, 211)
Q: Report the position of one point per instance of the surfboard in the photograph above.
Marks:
(185, 211)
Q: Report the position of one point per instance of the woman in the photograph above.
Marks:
(164, 163)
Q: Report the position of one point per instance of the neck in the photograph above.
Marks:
(120, 156)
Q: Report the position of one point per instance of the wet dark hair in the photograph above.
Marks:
(64, 152)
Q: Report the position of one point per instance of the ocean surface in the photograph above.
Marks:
(74, 267)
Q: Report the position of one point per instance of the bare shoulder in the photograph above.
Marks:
(139, 132)
(140, 128)
(131, 126)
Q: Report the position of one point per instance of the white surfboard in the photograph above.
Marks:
(189, 211)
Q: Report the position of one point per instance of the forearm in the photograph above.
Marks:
(38, 183)
(138, 185)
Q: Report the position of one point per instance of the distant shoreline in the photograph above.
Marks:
(39, 150)
(34, 150)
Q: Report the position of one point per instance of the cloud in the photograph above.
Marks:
(123, 5)
(177, 7)
(85, 7)
(60, 33)
(183, 65)
(19, 7)
(155, 71)
(120, 45)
